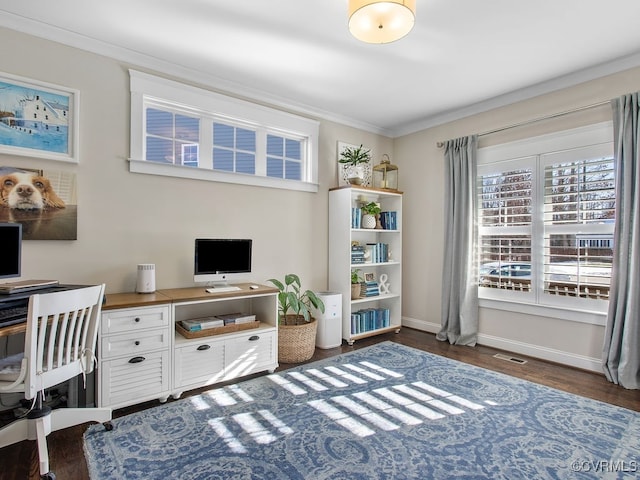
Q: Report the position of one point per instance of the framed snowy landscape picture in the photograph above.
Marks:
(38, 119)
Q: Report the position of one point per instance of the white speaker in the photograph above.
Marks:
(146, 278)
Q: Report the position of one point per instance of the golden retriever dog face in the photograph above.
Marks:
(28, 191)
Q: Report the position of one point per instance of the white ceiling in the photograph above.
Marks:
(462, 56)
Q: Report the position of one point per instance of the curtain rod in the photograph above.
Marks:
(539, 119)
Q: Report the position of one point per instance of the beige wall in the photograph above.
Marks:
(125, 218)
(422, 169)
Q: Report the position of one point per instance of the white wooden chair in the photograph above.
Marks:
(60, 343)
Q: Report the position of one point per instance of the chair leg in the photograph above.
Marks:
(69, 417)
(15, 432)
(43, 452)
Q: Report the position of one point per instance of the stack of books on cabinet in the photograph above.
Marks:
(370, 289)
(369, 319)
(357, 254)
(356, 217)
(216, 325)
(389, 220)
(378, 252)
(204, 323)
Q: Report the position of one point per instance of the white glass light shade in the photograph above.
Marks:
(381, 21)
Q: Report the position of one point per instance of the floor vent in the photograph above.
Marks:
(509, 358)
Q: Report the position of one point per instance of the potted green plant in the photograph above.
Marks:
(356, 284)
(297, 327)
(370, 212)
(352, 158)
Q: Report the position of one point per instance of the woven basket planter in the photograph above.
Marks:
(296, 343)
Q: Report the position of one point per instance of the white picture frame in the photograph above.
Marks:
(343, 169)
(38, 119)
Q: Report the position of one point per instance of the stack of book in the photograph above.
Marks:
(371, 289)
(205, 323)
(378, 252)
(357, 254)
(369, 319)
(237, 318)
(389, 220)
(356, 217)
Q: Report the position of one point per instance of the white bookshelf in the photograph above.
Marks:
(341, 237)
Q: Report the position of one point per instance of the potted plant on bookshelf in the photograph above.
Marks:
(356, 284)
(296, 325)
(370, 212)
(353, 160)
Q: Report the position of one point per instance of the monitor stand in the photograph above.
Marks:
(219, 287)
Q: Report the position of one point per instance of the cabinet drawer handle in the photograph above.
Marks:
(137, 319)
(137, 360)
(204, 347)
(136, 343)
(253, 338)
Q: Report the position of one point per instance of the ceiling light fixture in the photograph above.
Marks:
(381, 21)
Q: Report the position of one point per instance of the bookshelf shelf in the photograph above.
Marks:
(372, 264)
(376, 314)
(375, 298)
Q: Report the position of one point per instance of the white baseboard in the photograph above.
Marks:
(513, 346)
(420, 325)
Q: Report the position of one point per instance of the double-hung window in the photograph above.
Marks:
(546, 213)
(219, 138)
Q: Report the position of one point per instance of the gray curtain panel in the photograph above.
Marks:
(459, 283)
(621, 355)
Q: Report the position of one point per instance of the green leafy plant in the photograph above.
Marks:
(355, 276)
(371, 208)
(354, 155)
(294, 304)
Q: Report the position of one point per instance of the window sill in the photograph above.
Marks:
(569, 314)
(179, 171)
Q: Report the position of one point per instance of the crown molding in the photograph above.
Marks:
(572, 79)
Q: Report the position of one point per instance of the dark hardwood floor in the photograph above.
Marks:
(20, 461)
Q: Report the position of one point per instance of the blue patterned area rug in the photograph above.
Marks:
(381, 412)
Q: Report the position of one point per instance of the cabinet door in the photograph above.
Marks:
(130, 380)
(198, 364)
(249, 353)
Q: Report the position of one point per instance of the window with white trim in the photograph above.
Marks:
(219, 138)
(546, 214)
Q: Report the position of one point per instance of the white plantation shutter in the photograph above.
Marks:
(546, 215)
(579, 214)
(505, 203)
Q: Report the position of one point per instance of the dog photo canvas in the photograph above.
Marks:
(43, 201)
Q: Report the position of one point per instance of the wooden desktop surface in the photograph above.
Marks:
(13, 329)
(200, 293)
(131, 300)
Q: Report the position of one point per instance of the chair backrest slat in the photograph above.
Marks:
(61, 335)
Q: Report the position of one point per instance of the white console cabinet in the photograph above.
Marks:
(142, 356)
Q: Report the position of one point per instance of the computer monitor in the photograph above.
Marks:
(10, 249)
(218, 260)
